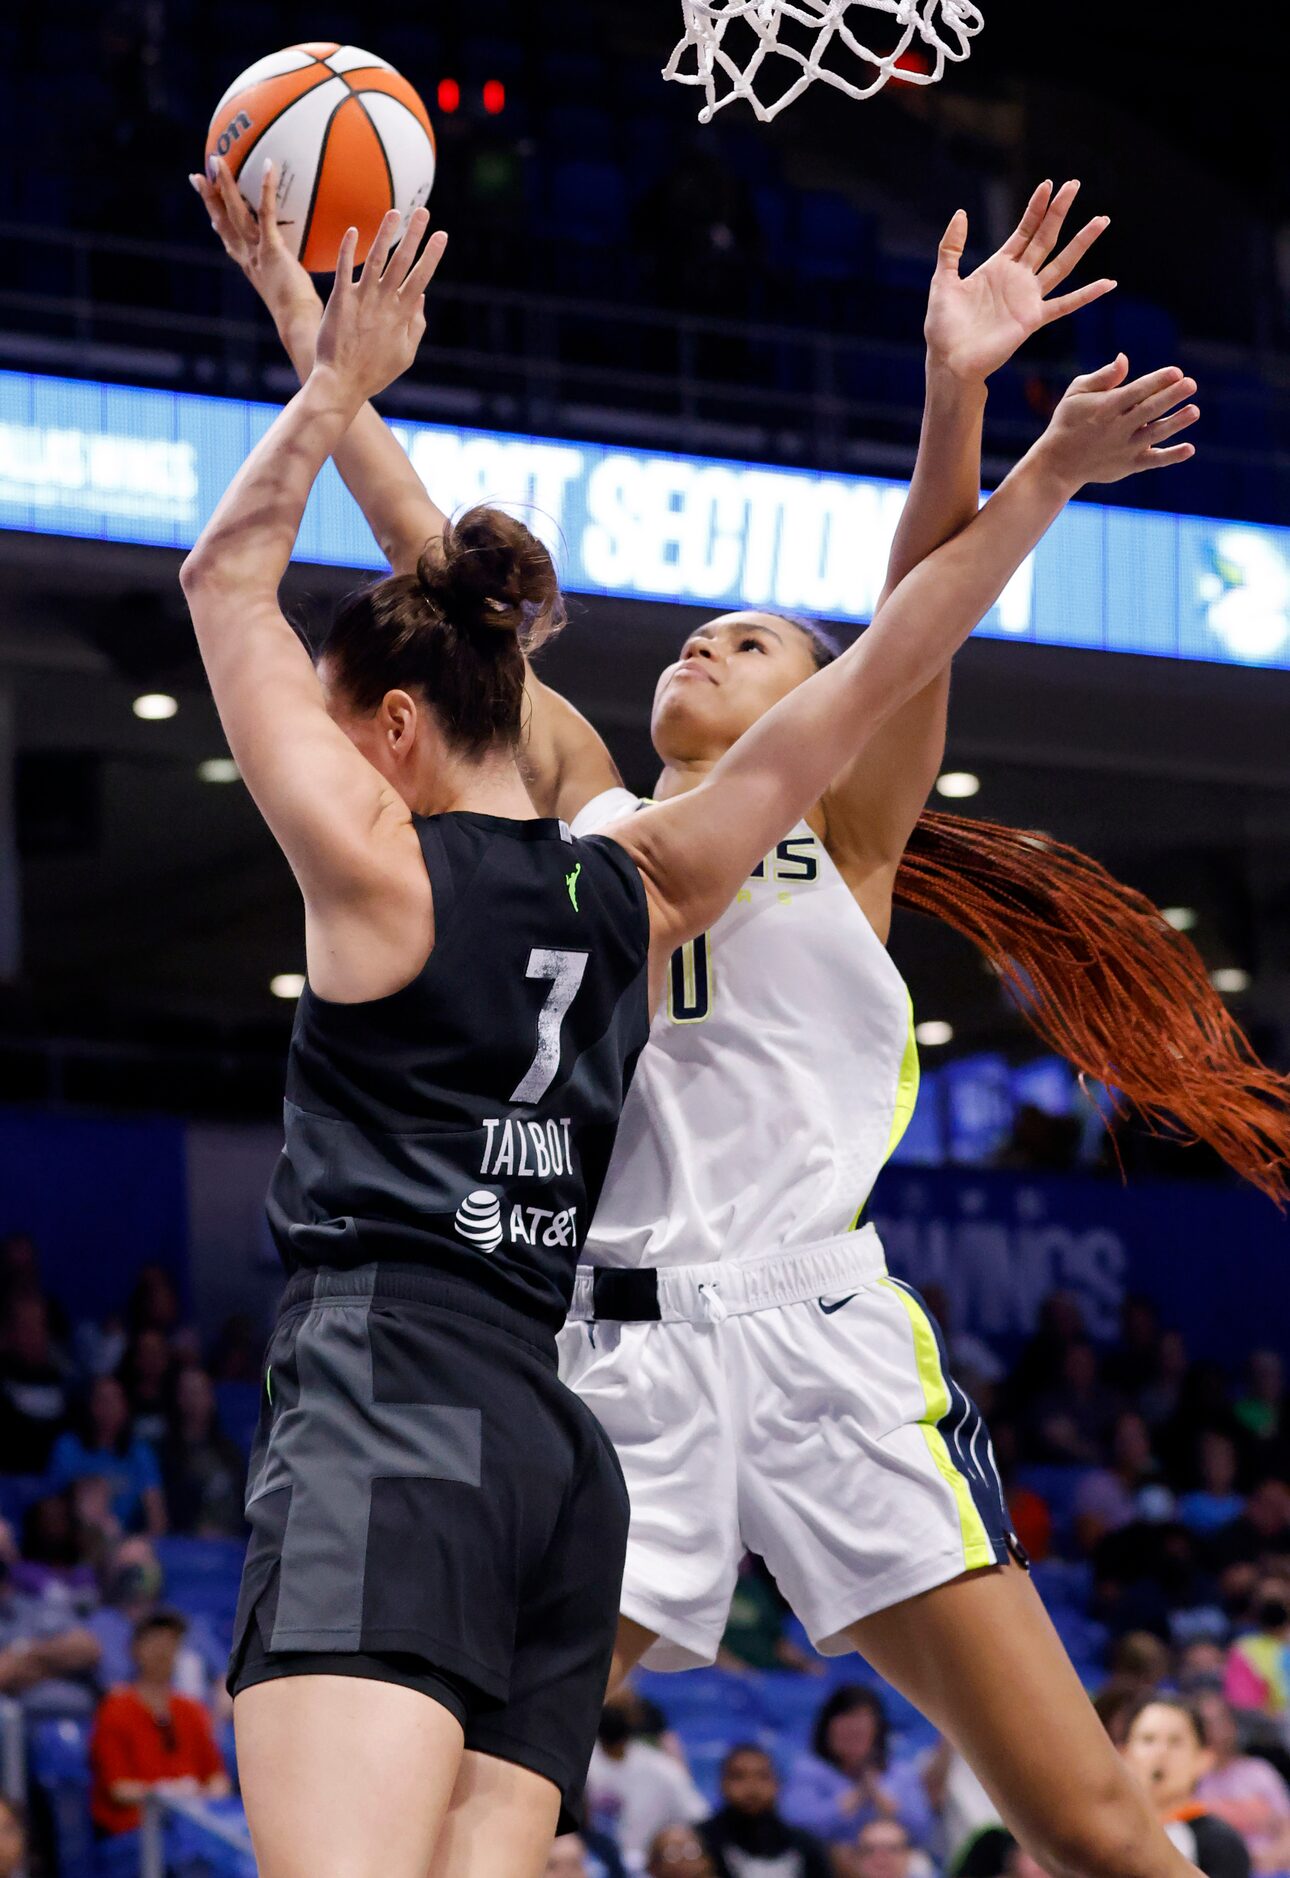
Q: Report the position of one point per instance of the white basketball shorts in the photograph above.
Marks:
(799, 1407)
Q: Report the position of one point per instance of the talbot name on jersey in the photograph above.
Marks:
(527, 1150)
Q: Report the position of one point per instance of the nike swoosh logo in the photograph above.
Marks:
(829, 1309)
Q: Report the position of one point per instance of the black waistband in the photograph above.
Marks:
(625, 1295)
(416, 1284)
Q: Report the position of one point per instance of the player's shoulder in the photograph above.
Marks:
(610, 806)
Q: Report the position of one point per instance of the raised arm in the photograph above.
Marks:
(974, 325)
(565, 762)
(395, 502)
(696, 850)
(327, 806)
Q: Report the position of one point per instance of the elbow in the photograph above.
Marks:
(195, 576)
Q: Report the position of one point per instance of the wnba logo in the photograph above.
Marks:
(479, 1220)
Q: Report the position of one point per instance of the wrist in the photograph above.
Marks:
(954, 380)
(332, 390)
(1045, 469)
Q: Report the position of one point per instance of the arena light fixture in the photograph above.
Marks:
(494, 97)
(1181, 918)
(219, 769)
(934, 1034)
(287, 985)
(449, 96)
(1231, 980)
(155, 706)
(956, 785)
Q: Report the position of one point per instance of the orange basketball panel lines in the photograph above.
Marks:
(353, 187)
(246, 117)
(370, 79)
(317, 48)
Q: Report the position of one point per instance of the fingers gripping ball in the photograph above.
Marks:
(350, 140)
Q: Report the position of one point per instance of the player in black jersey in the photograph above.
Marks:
(430, 1599)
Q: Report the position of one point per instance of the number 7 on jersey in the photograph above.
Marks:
(565, 970)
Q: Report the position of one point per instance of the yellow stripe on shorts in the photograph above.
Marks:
(977, 1548)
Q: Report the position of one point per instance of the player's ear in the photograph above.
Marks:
(401, 718)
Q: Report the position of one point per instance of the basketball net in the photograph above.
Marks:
(816, 31)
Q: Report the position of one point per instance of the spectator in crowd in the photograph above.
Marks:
(145, 1374)
(102, 1445)
(48, 1659)
(1166, 1747)
(154, 1302)
(567, 1858)
(748, 1838)
(1201, 1665)
(13, 1839)
(1215, 1503)
(131, 1584)
(1131, 1364)
(845, 1781)
(239, 1350)
(1262, 1533)
(203, 1470)
(678, 1852)
(1261, 1410)
(1204, 1402)
(1161, 1398)
(633, 1789)
(1060, 1326)
(1112, 1497)
(583, 1855)
(1139, 1662)
(1072, 1420)
(148, 1738)
(1258, 1664)
(34, 1393)
(754, 1636)
(1244, 1789)
(881, 1850)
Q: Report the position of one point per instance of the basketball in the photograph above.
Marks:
(349, 137)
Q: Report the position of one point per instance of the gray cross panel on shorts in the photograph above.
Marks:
(329, 1457)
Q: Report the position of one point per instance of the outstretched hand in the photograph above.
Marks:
(976, 322)
(1105, 429)
(253, 239)
(372, 326)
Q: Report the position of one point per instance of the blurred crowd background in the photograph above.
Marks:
(1151, 1491)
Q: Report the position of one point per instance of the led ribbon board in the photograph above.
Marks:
(120, 463)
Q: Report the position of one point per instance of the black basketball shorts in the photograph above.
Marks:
(429, 1505)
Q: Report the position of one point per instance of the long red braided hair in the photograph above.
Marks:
(1103, 979)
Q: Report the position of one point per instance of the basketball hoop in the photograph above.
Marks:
(816, 30)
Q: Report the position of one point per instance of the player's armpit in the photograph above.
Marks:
(871, 808)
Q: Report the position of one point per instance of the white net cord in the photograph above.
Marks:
(945, 28)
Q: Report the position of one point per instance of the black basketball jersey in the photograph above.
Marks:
(466, 1122)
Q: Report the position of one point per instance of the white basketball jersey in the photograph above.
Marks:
(780, 1073)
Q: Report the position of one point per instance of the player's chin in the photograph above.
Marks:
(688, 711)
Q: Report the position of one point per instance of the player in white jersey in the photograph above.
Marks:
(766, 1382)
